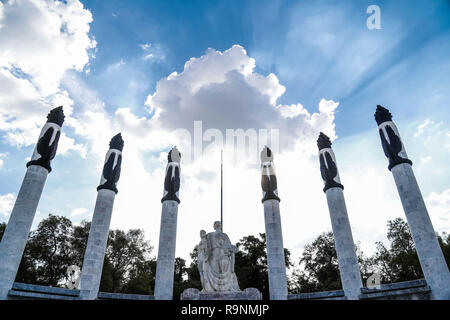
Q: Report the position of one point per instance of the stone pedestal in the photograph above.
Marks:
(166, 252)
(430, 254)
(247, 294)
(345, 247)
(19, 225)
(94, 256)
(275, 251)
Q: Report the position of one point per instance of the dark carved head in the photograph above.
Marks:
(174, 155)
(266, 154)
(382, 115)
(56, 116)
(117, 142)
(217, 226)
(323, 142)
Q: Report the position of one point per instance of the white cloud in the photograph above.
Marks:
(61, 41)
(33, 61)
(145, 46)
(79, 212)
(438, 205)
(421, 127)
(153, 52)
(6, 203)
(223, 90)
(2, 155)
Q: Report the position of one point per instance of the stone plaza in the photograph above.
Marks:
(216, 251)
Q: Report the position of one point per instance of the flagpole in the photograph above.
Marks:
(221, 188)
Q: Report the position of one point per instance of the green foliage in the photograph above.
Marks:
(400, 262)
(48, 252)
(320, 267)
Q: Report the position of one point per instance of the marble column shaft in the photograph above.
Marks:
(94, 256)
(19, 225)
(275, 251)
(22, 216)
(166, 252)
(345, 247)
(431, 258)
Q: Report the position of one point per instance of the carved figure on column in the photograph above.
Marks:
(390, 138)
(112, 166)
(47, 144)
(268, 177)
(328, 168)
(172, 180)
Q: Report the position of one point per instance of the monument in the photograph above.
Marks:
(215, 262)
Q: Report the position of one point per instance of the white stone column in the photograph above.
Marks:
(274, 236)
(342, 232)
(165, 263)
(430, 254)
(22, 215)
(94, 255)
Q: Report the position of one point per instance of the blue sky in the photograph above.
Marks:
(401, 62)
(316, 50)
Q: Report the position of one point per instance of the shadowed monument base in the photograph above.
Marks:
(247, 294)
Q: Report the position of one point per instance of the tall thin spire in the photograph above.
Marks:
(221, 188)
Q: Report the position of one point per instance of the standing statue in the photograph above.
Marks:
(216, 261)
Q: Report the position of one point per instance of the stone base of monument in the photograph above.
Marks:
(247, 294)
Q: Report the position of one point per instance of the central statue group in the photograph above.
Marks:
(216, 256)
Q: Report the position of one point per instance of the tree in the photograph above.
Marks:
(444, 242)
(180, 273)
(319, 267)
(141, 278)
(400, 262)
(79, 241)
(48, 252)
(124, 251)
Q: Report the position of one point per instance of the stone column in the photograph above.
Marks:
(430, 254)
(342, 232)
(274, 236)
(22, 215)
(94, 255)
(168, 230)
